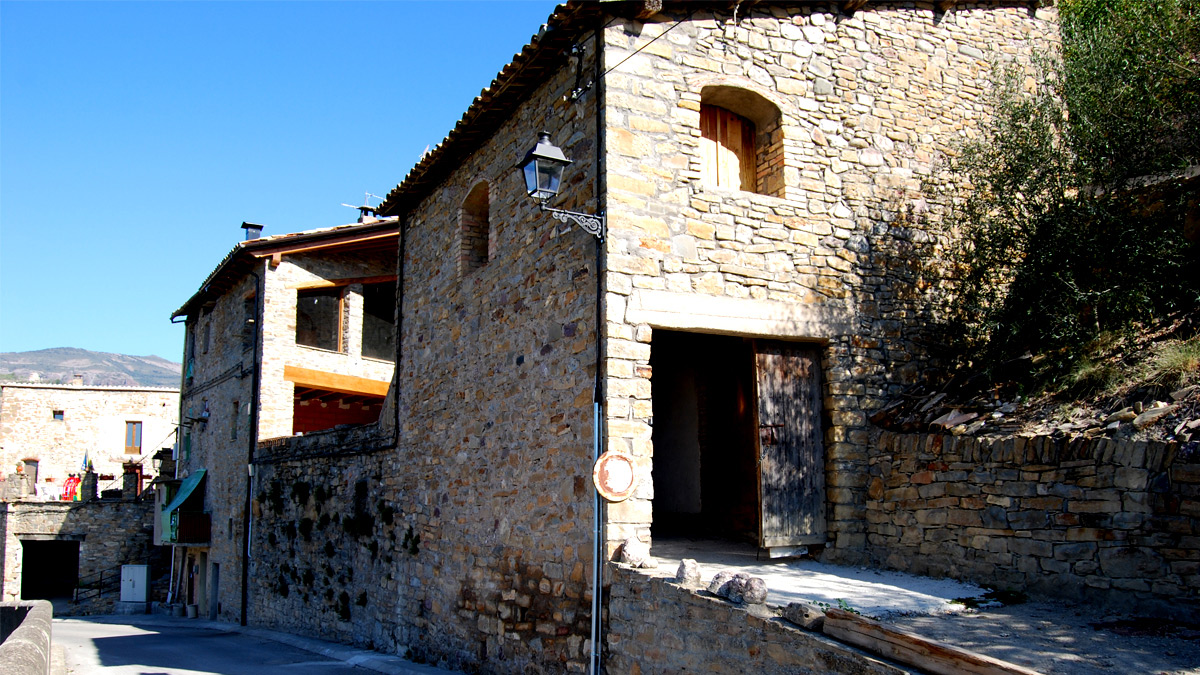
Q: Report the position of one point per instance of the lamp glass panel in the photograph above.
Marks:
(549, 176)
(531, 183)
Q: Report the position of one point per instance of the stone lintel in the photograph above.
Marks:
(738, 316)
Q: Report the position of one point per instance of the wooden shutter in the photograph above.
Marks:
(791, 456)
(727, 149)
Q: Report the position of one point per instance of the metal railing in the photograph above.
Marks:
(108, 580)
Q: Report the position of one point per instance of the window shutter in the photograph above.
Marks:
(727, 149)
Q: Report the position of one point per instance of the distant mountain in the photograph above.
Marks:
(62, 364)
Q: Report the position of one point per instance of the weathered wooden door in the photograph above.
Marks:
(791, 459)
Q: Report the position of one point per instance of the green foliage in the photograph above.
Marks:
(1131, 79)
(1075, 219)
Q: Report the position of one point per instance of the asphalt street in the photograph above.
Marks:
(155, 645)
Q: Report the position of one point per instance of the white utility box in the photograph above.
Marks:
(135, 583)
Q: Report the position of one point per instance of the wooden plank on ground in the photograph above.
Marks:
(928, 655)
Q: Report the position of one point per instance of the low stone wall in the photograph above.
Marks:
(656, 626)
(25, 631)
(1086, 519)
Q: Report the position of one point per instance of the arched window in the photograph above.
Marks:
(475, 249)
(741, 141)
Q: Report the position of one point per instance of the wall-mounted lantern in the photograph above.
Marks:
(542, 170)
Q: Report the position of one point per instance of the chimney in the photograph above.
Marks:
(253, 230)
(77, 380)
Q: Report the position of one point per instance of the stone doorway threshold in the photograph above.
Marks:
(1050, 637)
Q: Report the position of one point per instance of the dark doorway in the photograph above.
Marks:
(737, 440)
(705, 480)
(49, 568)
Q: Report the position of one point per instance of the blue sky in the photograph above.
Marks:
(136, 137)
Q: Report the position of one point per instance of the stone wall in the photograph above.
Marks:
(25, 637)
(109, 532)
(327, 540)
(1087, 519)
(656, 626)
(495, 405)
(93, 423)
(864, 106)
(220, 383)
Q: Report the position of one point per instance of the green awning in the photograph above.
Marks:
(185, 490)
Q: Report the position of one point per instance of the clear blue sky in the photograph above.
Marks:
(135, 137)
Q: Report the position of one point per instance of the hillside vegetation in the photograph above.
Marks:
(1076, 281)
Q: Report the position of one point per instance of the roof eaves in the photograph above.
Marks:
(239, 258)
(494, 104)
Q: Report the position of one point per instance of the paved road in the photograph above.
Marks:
(155, 645)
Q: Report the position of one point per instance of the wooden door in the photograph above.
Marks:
(791, 458)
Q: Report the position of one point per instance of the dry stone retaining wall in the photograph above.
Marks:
(1096, 519)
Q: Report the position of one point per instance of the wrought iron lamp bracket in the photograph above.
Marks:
(592, 224)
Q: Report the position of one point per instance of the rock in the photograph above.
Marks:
(636, 553)
(719, 580)
(805, 615)
(1152, 415)
(1122, 415)
(688, 573)
(1180, 394)
(739, 587)
(1137, 407)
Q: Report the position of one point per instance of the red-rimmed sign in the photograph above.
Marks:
(615, 476)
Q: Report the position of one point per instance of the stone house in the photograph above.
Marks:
(49, 429)
(46, 431)
(290, 335)
(763, 170)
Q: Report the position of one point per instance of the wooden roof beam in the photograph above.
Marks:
(852, 6)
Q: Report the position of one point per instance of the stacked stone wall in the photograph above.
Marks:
(495, 405)
(109, 532)
(1089, 519)
(656, 626)
(327, 541)
(866, 104)
(221, 368)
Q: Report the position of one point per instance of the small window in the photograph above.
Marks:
(59, 415)
(319, 318)
(379, 329)
(475, 230)
(133, 438)
(207, 335)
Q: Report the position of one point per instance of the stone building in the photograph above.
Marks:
(48, 545)
(290, 335)
(764, 171)
(47, 430)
